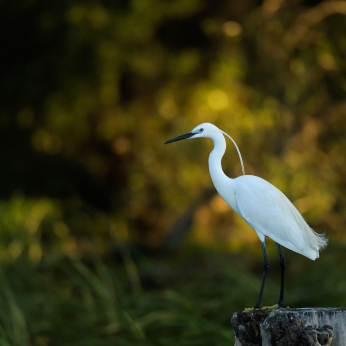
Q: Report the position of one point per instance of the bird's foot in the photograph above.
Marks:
(275, 306)
(251, 309)
(256, 307)
(282, 306)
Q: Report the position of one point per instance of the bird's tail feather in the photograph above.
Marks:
(316, 241)
(321, 240)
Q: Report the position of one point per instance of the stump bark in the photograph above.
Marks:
(290, 327)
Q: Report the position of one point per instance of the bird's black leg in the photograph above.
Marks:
(282, 265)
(266, 266)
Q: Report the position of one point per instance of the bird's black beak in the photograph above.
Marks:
(179, 138)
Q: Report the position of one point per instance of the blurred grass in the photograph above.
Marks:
(185, 299)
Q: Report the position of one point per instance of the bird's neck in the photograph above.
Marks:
(215, 168)
(223, 184)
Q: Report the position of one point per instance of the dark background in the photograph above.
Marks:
(107, 236)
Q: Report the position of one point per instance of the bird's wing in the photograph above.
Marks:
(264, 208)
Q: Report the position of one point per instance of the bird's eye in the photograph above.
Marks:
(201, 130)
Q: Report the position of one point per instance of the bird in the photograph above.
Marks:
(264, 207)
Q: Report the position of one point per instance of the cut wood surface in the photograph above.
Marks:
(290, 327)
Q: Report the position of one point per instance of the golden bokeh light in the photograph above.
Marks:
(217, 99)
(121, 145)
(47, 142)
(232, 29)
(219, 205)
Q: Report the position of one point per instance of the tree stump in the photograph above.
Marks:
(290, 327)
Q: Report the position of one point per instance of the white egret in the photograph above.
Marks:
(265, 208)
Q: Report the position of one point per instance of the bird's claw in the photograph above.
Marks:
(275, 306)
(281, 306)
(254, 308)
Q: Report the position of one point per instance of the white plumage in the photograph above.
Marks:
(264, 207)
(271, 214)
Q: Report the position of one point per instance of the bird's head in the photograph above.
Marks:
(205, 130)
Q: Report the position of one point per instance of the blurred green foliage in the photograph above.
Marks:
(89, 92)
(184, 300)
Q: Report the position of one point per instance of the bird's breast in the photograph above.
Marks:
(224, 185)
(228, 193)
